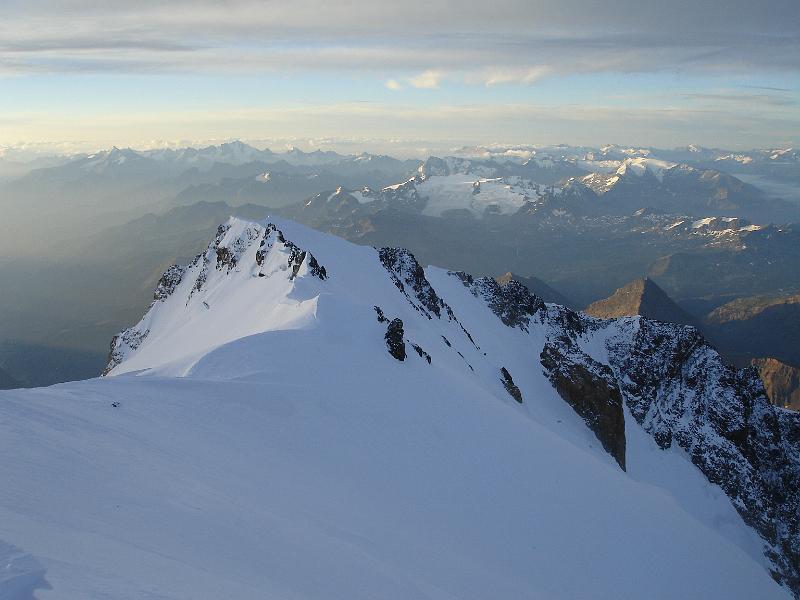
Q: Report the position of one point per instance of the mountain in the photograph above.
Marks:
(673, 187)
(757, 326)
(407, 432)
(640, 297)
(781, 381)
(537, 287)
(484, 210)
(231, 153)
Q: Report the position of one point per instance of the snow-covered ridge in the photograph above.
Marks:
(506, 344)
(409, 432)
(192, 308)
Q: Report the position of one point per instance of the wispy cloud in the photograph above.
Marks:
(744, 99)
(427, 79)
(501, 75)
(393, 84)
(509, 39)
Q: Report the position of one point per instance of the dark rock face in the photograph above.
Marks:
(512, 302)
(381, 317)
(781, 381)
(225, 259)
(590, 389)
(508, 383)
(421, 352)
(171, 279)
(537, 287)
(679, 390)
(409, 277)
(434, 166)
(394, 339)
(205, 257)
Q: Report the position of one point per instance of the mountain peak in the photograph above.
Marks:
(640, 297)
(367, 330)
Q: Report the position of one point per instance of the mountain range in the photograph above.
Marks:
(75, 267)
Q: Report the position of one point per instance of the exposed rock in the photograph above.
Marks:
(508, 383)
(513, 303)
(537, 287)
(171, 279)
(394, 339)
(640, 297)
(421, 352)
(381, 317)
(590, 389)
(681, 391)
(406, 272)
(121, 344)
(781, 382)
(296, 254)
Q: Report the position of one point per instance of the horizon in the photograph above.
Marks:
(25, 152)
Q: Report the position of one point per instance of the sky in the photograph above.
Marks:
(409, 76)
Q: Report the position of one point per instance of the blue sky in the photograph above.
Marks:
(412, 74)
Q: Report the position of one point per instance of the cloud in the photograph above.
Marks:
(427, 79)
(393, 84)
(501, 75)
(511, 38)
(753, 100)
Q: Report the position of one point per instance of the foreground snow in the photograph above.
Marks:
(260, 442)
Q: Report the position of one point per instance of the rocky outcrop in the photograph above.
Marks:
(781, 381)
(421, 352)
(679, 389)
(537, 287)
(171, 279)
(121, 344)
(394, 339)
(508, 383)
(409, 277)
(297, 256)
(590, 389)
(512, 302)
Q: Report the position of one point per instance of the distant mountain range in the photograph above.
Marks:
(579, 220)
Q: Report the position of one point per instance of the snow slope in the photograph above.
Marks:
(260, 442)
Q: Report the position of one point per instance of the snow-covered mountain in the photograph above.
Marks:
(232, 153)
(296, 416)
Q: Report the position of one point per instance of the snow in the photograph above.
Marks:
(639, 166)
(359, 195)
(398, 185)
(702, 222)
(269, 447)
(452, 192)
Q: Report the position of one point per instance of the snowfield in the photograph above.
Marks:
(260, 442)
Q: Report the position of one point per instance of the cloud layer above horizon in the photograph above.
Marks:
(717, 62)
